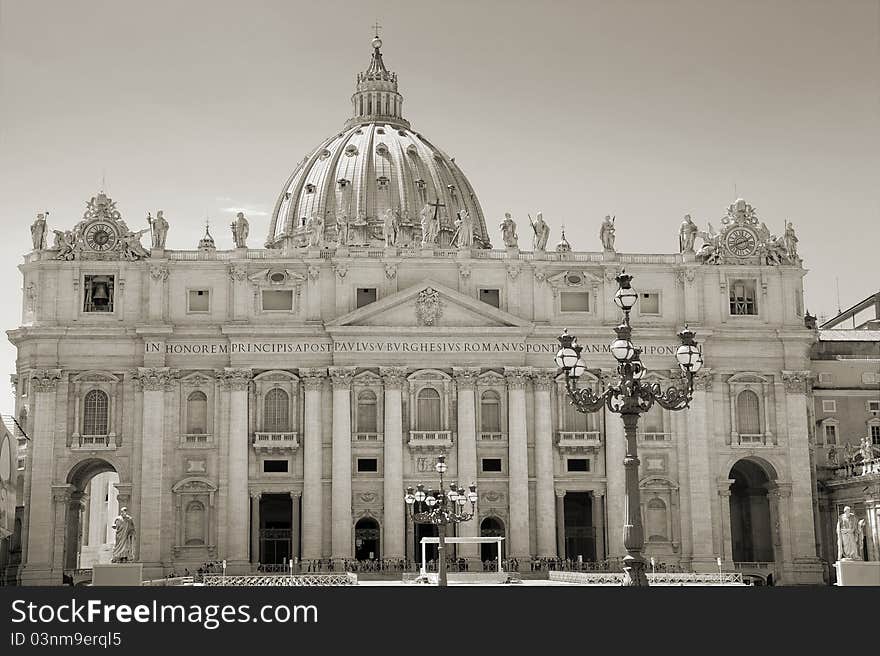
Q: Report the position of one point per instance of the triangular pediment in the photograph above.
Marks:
(429, 304)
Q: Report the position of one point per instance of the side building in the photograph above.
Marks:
(262, 404)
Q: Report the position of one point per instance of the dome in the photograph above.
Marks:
(377, 164)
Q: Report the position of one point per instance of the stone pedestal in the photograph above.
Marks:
(857, 572)
(115, 574)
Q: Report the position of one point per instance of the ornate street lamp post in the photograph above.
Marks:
(629, 397)
(440, 507)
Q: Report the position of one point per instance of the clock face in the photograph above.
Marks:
(100, 236)
(742, 242)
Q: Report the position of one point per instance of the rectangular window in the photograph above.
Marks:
(368, 464)
(365, 296)
(873, 406)
(277, 300)
(491, 296)
(875, 434)
(829, 406)
(578, 464)
(491, 464)
(198, 300)
(574, 302)
(275, 466)
(98, 293)
(830, 434)
(25, 379)
(742, 298)
(649, 303)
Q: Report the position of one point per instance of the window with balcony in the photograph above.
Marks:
(197, 414)
(874, 429)
(656, 520)
(366, 412)
(748, 416)
(490, 414)
(195, 523)
(830, 433)
(429, 409)
(95, 413)
(574, 302)
(652, 424)
(277, 300)
(743, 298)
(276, 411)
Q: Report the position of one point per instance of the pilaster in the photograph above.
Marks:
(394, 378)
(237, 382)
(313, 467)
(545, 515)
(518, 461)
(341, 547)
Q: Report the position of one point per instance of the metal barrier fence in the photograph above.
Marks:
(301, 580)
(665, 578)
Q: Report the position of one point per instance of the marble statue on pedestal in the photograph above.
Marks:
(315, 226)
(687, 233)
(341, 229)
(391, 226)
(159, 228)
(39, 230)
(64, 244)
(508, 231)
(541, 230)
(430, 225)
(847, 535)
(606, 233)
(132, 249)
(240, 229)
(791, 242)
(123, 549)
(464, 230)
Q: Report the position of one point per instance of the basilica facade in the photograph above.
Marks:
(255, 405)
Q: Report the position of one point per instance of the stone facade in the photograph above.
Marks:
(262, 404)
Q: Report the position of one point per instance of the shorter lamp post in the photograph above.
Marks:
(630, 397)
(440, 508)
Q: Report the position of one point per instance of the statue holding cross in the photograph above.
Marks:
(430, 222)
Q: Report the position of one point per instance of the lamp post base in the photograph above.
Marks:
(634, 572)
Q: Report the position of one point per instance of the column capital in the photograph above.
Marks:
(517, 376)
(45, 380)
(544, 379)
(159, 272)
(724, 486)
(256, 494)
(703, 381)
(560, 494)
(341, 377)
(312, 378)
(780, 490)
(465, 377)
(393, 377)
(237, 380)
(295, 494)
(153, 379)
(795, 381)
(62, 492)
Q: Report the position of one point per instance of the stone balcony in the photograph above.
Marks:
(491, 437)
(578, 441)
(93, 442)
(430, 440)
(275, 441)
(750, 440)
(655, 438)
(196, 441)
(367, 438)
(856, 470)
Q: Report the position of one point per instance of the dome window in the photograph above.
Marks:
(342, 182)
(286, 195)
(412, 150)
(310, 188)
(380, 130)
(324, 154)
(382, 181)
(351, 150)
(358, 131)
(401, 133)
(381, 149)
(420, 183)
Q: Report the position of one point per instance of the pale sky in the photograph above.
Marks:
(643, 109)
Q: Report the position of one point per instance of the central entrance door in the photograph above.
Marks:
(275, 529)
(366, 539)
(580, 534)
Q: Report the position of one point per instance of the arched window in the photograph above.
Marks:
(197, 414)
(656, 520)
(748, 413)
(276, 411)
(652, 421)
(429, 410)
(194, 524)
(576, 421)
(95, 417)
(490, 412)
(366, 412)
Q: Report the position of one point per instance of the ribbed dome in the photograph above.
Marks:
(376, 164)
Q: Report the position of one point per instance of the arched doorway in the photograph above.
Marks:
(751, 533)
(491, 527)
(580, 534)
(366, 539)
(276, 529)
(89, 536)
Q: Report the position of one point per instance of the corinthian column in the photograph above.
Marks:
(699, 474)
(395, 524)
(615, 450)
(545, 512)
(341, 470)
(237, 382)
(518, 461)
(466, 380)
(153, 383)
(40, 511)
(313, 465)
